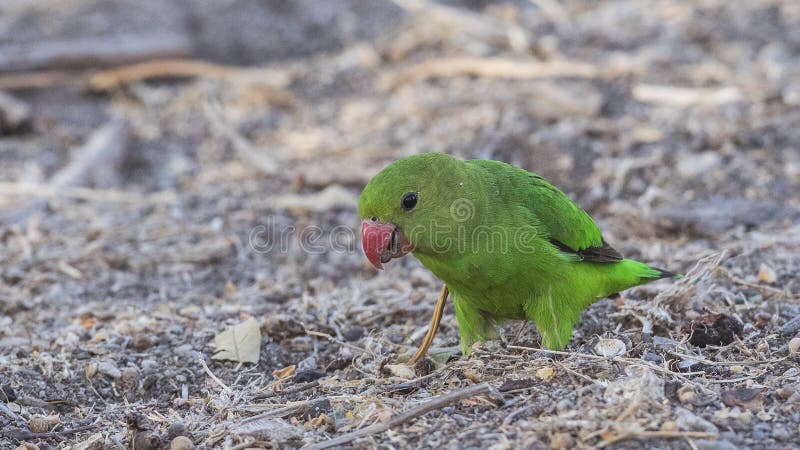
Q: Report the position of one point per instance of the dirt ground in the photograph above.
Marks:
(146, 209)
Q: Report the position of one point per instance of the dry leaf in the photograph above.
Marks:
(319, 421)
(766, 274)
(750, 398)
(285, 372)
(88, 321)
(400, 370)
(240, 342)
(546, 373)
(472, 375)
(609, 347)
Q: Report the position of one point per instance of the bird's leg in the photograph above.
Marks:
(437, 317)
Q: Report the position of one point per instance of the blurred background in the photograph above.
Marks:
(161, 163)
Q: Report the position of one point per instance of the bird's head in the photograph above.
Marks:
(408, 206)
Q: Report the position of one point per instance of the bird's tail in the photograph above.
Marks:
(653, 273)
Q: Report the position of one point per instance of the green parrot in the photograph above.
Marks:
(507, 243)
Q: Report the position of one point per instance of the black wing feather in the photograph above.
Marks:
(605, 253)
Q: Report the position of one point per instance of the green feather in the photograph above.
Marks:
(508, 244)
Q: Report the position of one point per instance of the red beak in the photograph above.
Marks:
(382, 242)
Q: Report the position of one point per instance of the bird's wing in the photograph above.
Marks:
(571, 229)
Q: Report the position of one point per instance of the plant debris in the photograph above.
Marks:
(713, 329)
(242, 343)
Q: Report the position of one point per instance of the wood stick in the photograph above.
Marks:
(42, 79)
(280, 412)
(399, 419)
(165, 68)
(489, 68)
(658, 435)
(92, 52)
(679, 96)
(433, 328)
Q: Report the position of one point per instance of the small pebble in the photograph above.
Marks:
(780, 433)
(561, 441)
(794, 345)
(652, 357)
(146, 440)
(7, 394)
(181, 443)
(424, 367)
(109, 369)
(784, 392)
(707, 444)
(129, 377)
(353, 334)
(762, 431)
(305, 376)
(686, 394)
(669, 426)
(42, 424)
(141, 342)
(149, 366)
(421, 278)
(27, 446)
(177, 429)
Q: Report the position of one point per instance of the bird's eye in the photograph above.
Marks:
(409, 201)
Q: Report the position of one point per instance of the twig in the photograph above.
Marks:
(292, 390)
(760, 287)
(337, 341)
(164, 68)
(736, 380)
(43, 79)
(411, 383)
(22, 435)
(519, 411)
(489, 68)
(281, 412)
(658, 435)
(93, 52)
(708, 362)
(618, 359)
(211, 374)
(577, 374)
(679, 96)
(399, 419)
